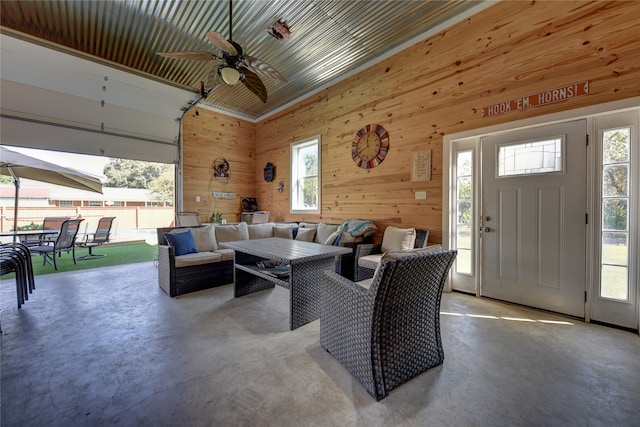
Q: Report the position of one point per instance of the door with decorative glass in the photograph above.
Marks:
(616, 251)
(533, 231)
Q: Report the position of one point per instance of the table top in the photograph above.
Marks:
(285, 250)
(28, 233)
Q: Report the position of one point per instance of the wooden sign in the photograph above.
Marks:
(421, 166)
(551, 96)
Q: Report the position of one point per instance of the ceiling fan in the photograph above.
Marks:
(232, 65)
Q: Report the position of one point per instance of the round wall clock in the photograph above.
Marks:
(370, 146)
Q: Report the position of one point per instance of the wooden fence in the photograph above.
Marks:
(127, 218)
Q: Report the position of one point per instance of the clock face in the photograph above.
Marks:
(370, 146)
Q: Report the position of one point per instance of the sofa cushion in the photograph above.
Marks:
(182, 241)
(232, 232)
(197, 258)
(412, 252)
(205, 238)
(306, 234)
(260, 231)
(323, 231)
(284, 231)
(227, 254)
(398, 239)
(370, 261)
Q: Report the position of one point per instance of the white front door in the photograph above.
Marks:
(533, 210)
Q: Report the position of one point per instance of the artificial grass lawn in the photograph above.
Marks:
(119, 253)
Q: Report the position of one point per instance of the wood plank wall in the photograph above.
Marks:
(432, 89)
(207, 136)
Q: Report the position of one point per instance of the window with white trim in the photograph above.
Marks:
(614, 262)
(305, 176)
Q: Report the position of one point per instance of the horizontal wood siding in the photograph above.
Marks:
(434, 88)
(207, 136)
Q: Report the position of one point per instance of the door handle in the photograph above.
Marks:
(486, 229)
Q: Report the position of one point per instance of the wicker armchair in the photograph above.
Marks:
(363, 272)
(388, 333)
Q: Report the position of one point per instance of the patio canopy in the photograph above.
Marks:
(18, 165)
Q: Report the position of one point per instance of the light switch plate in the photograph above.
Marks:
(421, 195)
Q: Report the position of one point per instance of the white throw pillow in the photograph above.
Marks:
(332, 238)
(205, 238)
(324, 231)
(306, 234)
(398, 239)
(230, 233)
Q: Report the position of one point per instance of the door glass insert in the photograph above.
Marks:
(614, 259)
(532, 157)
(464, 210)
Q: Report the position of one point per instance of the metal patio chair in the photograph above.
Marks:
(100, 237)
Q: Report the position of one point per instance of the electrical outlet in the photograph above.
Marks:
(198, 199)
(421, 195)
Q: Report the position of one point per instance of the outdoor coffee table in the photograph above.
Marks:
(306, 262)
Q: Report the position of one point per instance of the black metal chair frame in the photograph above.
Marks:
(65, 242)
(100, 237)
(16, 258)
(187, 219)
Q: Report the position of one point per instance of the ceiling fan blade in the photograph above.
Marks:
(214, 78)
(195, 55)
(262, 68)
(254, 84)
(221, 43)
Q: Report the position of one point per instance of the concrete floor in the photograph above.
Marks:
(107, 346)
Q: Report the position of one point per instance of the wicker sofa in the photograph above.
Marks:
(209, 266)
(386, 330)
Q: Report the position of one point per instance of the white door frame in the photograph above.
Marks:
(579, 113)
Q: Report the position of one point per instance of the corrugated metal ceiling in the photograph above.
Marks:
(328, 38)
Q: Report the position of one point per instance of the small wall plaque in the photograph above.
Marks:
(421, 166)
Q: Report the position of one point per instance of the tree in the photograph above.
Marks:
(310, 186)
(122, 173)
(162, 188)
(615, 179)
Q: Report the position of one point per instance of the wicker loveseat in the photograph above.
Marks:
(386, 330)
(208, 266)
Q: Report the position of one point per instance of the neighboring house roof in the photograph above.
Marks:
(56, 192)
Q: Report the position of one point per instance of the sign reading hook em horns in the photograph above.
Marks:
(573, 90)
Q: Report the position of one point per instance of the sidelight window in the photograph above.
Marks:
(614, 262)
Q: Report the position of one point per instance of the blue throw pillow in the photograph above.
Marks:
(182, 241)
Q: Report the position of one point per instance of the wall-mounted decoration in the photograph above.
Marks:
(421, 166)
(551, 96)
(221, 168)
(269, 172)
(280, 186)
(370, 146)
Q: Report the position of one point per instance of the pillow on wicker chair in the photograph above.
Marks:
(182, 242)
(205, 238)
(398, 239)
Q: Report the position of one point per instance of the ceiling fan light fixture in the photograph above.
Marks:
(230, 75)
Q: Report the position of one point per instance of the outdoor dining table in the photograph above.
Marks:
(305, 263)
(28, 233)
